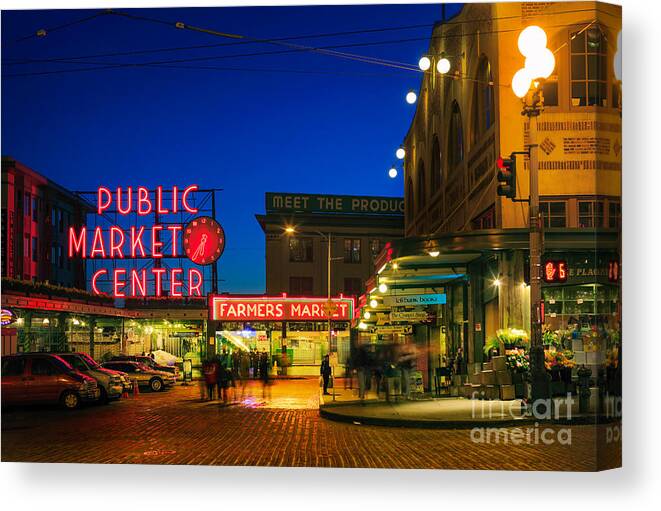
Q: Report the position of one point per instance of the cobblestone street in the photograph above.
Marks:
(176, 427)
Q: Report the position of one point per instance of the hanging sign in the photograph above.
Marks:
(413, 316)
(412, 300)
(202, 240)
(393, 329)
(7, 317)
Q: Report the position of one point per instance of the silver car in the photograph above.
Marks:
(110, 384)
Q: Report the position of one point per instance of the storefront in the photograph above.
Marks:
(295, 332)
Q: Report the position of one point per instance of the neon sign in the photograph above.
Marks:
(270, 308)
(203, 237)
(555, 271)
(7, 317)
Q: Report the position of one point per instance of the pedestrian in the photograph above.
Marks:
(363, 370)
(264, 372)
(210, 370)
(224, 376)
(325, 372)
(244, 371)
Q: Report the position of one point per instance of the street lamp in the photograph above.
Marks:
(526, 84)
(424, 63)
(392, 173)
(400, 153)
(411, 97)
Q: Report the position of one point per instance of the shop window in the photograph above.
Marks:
(554, 213)
(300, 250)
(353, 286)
(35, 252)
(614, 214)
(588, 68)
(455, 137)
(435, 166)
(352, 250)
(300, 286)
(590, 214)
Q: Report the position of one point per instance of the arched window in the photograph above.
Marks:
(409, 198)
(455, 137)
(435, 166)
(484, 111)
(422, 188)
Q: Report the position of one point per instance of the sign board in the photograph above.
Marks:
(393, 329)
(478, 327)
(202, 241)
(278, 308)
(416, 382)
(347, 204)
(412, 300)
(413, 316)
(555, 271)
(7, 317)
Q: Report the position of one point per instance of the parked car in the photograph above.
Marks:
(109, 382)
(144, 375)
(148, 361)
(29, 378)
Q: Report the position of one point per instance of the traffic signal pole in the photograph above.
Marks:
(540, 386)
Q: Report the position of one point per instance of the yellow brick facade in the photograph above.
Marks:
(580, 154)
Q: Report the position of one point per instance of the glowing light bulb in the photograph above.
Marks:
(443, 66)
(540, 64)
(383, 288)
(392, 173)
(367, 315)
(400, 153)
(434, 253)
(411, 97)
(374, 303)
(424, 63)
(521, 82)
(362, 325)
(531, 39)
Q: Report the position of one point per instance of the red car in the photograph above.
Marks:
(29, 378)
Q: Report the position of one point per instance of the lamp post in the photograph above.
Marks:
(329, 310)
(526, 84)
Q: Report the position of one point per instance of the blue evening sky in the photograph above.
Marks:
(255, 128)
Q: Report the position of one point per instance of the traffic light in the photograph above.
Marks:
(507, 176)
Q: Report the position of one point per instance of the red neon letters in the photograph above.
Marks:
(143, 204)
(138, 242)
(278, 309)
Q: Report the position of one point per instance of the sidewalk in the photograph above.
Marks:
(428, 412)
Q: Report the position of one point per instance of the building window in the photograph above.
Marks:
(410, 206)
(422, 190)
(588, 68)
(483, 100)
(590, 214)
(60, 219)
(300, 250)
(614, 214)
(554, 213)
(300, 286)
(26, 204)
(375, 248)
(53, 254)
(550, 92)
(353, 286)
(26, 246)
(456, 137)
(53, 220)
(352, 250)
(485, 220)
(435, 166)
(35, 252)
(35, 208)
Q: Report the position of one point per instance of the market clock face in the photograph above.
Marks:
(204, 240)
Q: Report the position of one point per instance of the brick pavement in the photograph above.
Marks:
(175, 427)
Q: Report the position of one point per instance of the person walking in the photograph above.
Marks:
(325, 372)
(210, 370)
(264, 373)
